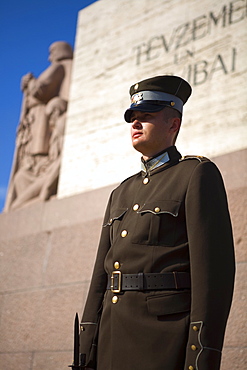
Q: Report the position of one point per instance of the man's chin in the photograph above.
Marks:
(139, 147)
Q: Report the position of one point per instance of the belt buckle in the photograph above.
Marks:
(118, 290)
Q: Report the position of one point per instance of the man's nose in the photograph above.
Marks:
(136, 124)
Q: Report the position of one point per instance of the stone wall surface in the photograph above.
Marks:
(46, 258)
(121, 42)
(47, 253)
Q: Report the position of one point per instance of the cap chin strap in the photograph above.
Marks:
(153, 102)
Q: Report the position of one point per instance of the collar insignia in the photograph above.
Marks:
(155, 162)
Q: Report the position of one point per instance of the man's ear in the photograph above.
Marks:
(175, 124)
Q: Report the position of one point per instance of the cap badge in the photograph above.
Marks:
(136, 98)
(136, 86)
(172, 103)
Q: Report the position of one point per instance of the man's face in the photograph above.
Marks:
(152, 132)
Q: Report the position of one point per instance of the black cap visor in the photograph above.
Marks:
(145, 107)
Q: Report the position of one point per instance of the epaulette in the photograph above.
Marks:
(200, 158)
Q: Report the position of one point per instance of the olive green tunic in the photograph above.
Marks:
(174, 218)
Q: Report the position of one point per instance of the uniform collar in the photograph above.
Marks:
(168, 156)
(155, 162)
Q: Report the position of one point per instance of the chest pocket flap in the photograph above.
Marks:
(156, 223)
(161, 206)
(116, 214)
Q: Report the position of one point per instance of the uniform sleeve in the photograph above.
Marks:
(92, 310)
(212, 266)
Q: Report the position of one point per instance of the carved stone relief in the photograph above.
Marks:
(39, 140)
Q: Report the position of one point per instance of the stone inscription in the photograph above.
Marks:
(180, 44)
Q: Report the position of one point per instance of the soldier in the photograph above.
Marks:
(163, 279)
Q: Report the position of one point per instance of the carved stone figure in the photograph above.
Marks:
(39, 139)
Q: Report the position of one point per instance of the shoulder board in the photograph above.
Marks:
(200, 158)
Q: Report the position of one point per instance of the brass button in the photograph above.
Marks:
(136, 207)
(156, 209)
(191, 367)
(114, 299)
(110, 221)
(146, 181)
(193, 347)
(195, 328)
(124, 233)
(82, 328)
(116, 265)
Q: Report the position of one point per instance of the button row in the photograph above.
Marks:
(193, 347)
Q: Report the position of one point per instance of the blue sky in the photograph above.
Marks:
(27, 28)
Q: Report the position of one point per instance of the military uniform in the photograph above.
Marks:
(162, 284)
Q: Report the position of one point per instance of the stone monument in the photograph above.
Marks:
(48, 247)
(40, 132)
(203, 42)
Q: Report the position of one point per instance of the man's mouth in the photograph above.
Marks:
(137, 134)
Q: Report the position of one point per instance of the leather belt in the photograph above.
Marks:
(118, 282)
